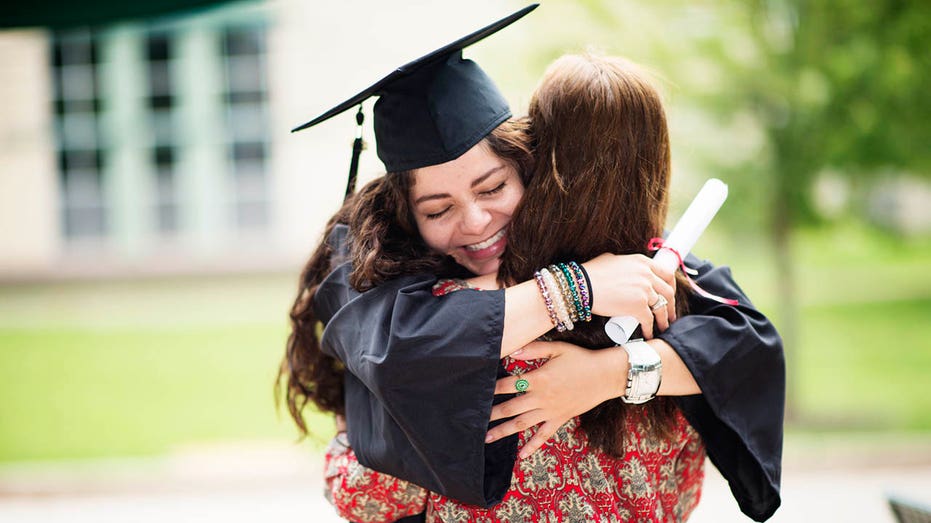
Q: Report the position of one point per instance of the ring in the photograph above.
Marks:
(660, 303)
(521, 384)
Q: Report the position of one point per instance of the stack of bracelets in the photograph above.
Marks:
(566, 291)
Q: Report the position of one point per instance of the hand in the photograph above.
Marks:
(629, 285)
(591, 376)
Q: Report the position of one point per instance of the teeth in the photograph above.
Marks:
(487, 243)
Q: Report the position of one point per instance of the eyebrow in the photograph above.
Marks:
(477, 181)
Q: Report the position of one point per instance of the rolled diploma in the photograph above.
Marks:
(682, 238)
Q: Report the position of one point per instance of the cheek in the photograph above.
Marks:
(510, 205)
(432, 234)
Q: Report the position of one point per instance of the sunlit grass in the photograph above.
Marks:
(80, 393)
(866, 366)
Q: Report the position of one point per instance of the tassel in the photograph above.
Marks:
(357, 146)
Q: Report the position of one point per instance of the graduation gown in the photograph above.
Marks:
(737, 359)
(421, 373)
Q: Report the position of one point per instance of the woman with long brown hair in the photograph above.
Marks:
(600, 185)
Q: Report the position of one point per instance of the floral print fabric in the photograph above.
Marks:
(565, 480)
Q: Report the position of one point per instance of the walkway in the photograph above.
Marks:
(250, 484)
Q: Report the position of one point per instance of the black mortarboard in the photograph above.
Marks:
(431, 110)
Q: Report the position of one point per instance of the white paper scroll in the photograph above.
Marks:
(682, 238)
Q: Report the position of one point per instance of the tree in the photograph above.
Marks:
(837, 85)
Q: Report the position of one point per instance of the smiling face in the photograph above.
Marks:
(463, 207)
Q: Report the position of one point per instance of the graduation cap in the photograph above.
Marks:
(431, 110)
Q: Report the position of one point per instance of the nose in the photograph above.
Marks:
(475, 219)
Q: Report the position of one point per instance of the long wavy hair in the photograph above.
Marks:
(600, 184)
(306, 374)
(385, 243)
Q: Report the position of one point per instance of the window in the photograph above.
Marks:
(77, 134)
(247, 125)
(161, 102)
(140, 161)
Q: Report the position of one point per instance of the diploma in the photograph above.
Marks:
(680, 240)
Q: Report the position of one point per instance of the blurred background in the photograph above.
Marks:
(155, 213)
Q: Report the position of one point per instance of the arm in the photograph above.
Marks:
(593, 376)
(419, 382)
(623, 282)
(732, 355)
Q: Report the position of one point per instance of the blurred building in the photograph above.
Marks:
(162, 146)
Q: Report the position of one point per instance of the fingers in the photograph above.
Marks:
(540, 437)
(661, 316)
(667, 276)
(508, 384)
(646, 323)
(660, 312)
(536, 350)
(665, 284)
(543, 433)
(663, 303)
(513, 426)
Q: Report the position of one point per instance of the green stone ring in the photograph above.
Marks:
(521, 384)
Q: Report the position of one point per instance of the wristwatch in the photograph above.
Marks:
(645, 374)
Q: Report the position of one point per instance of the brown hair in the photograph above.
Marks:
(600, 184)
(306, 374)
(385, 244)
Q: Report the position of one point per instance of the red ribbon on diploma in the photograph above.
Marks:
(656, 244)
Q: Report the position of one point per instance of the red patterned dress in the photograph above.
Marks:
(565, 480)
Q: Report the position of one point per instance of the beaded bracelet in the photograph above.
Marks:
(558, 304)
(548, 301)
(564, 291)
(572, 284)
(559, 300)
(584, 286)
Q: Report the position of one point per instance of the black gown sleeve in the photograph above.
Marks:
(736, 357)
(421, 373)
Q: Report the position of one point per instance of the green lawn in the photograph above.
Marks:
(143, 367)
(81, 393)
(130, 368)
(863, 357)
(866, 366)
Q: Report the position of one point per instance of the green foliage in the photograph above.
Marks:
(864, 71)
(839, 85)
(769, 94)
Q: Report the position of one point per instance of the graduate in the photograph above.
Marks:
(419, 371)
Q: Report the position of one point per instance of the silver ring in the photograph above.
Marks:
(660, 303)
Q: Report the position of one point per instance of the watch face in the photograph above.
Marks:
(646, 369)
(642, 356)
(650, 380)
